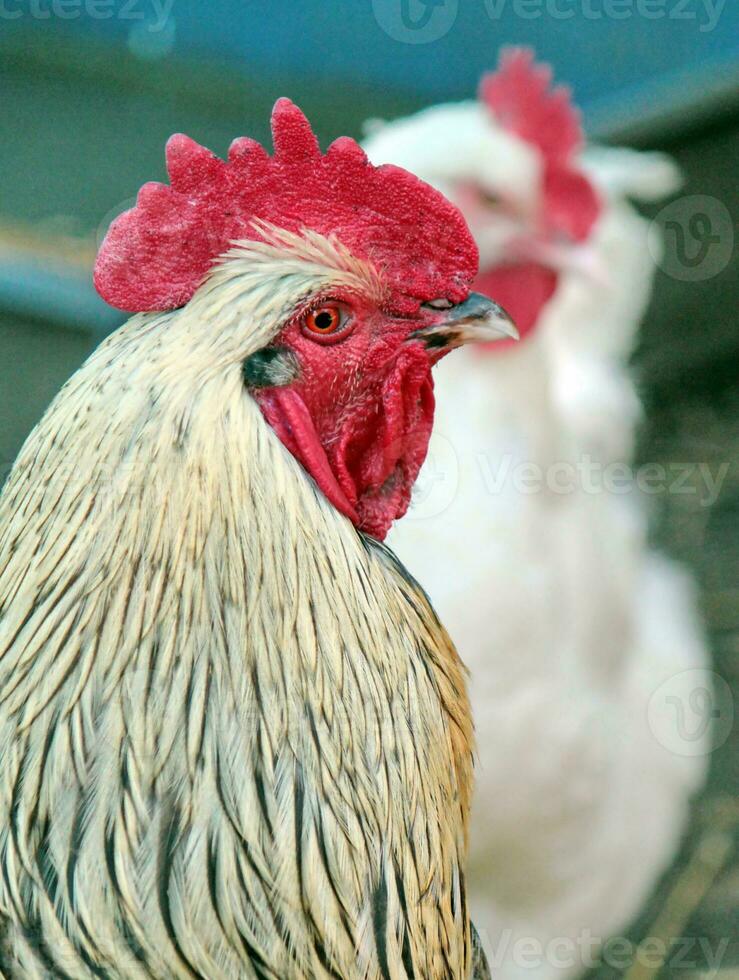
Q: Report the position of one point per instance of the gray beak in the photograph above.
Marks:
(476, 321)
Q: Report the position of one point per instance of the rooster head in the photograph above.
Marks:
(331, 285)
(564, 205)
(509, 161)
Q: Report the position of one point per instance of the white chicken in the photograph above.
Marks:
(531, 539)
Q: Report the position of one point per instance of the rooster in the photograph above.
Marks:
(234, 738)
(567, 621)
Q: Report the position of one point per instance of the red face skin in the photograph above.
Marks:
(522, 99)
(360, 413)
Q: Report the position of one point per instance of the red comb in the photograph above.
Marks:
(520, 95)
(156, 255)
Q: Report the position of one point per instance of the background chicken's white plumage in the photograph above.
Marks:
(568, 622)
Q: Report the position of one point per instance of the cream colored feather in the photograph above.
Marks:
(235, 740)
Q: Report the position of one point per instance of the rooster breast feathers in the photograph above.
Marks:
(234, 735)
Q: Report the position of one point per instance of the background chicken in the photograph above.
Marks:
(235, 740)
(566, 619)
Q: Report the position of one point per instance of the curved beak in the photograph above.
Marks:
(476, 321)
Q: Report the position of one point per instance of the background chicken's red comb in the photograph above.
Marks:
(156, 255)
(522, 99)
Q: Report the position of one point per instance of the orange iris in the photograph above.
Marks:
(324, 320)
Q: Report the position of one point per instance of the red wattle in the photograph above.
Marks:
(288, 415)
(364, 455)
(522, 290)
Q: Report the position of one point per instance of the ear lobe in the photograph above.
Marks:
(271, 367)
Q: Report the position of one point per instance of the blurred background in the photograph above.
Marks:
(91, 89)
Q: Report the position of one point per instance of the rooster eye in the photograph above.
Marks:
(331, 322)
(324, 320)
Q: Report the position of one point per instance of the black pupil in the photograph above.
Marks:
(324, 320)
